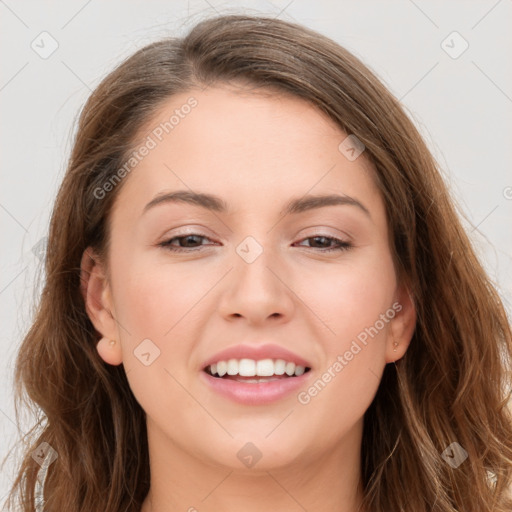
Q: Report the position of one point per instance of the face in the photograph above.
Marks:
(192, 277)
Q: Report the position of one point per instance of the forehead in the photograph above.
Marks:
(251, 147)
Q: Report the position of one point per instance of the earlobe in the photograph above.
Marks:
(110, 351)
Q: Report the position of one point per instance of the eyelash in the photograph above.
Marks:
(166, 244)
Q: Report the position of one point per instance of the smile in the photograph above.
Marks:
(255, 382)
(275, 368)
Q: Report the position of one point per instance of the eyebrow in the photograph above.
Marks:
(217, 204)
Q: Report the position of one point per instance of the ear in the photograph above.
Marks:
(402, 325)
(96, 292)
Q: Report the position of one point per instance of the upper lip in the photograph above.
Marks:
(256, 352)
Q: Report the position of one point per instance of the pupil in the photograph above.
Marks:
(322, 238)
(190, 237)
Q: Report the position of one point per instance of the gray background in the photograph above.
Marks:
(461, 105)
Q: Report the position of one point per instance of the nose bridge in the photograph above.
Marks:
(252, 268)
(256, 287)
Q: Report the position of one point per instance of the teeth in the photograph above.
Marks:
(247, 368)
(299, 370)
(279, 367)
(252, 368)
(232, 367)
(264, 368)
(222, 368)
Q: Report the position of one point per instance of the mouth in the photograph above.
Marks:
(251, 371)
(256, 374)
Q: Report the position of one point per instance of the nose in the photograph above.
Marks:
(257, 291)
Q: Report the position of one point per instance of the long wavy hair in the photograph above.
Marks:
(453, 383)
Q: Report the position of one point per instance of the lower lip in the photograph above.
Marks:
(256, 393)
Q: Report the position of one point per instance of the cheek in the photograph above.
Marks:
(166, 303)
(154, 304)
(350, 296)
(350, 303)
(152, 296)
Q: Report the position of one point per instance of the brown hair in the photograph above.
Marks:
(453, 383)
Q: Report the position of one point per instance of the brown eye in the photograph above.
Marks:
(185, 242)
(323, 241)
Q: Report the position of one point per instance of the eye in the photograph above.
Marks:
(183, 242)
(340, 245)
(192, 242)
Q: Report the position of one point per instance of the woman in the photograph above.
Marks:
(329, 341)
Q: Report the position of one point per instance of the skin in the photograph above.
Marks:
(256, 151)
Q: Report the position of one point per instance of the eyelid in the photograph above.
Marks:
(185, 230)
(199, 231)
(327, 231)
